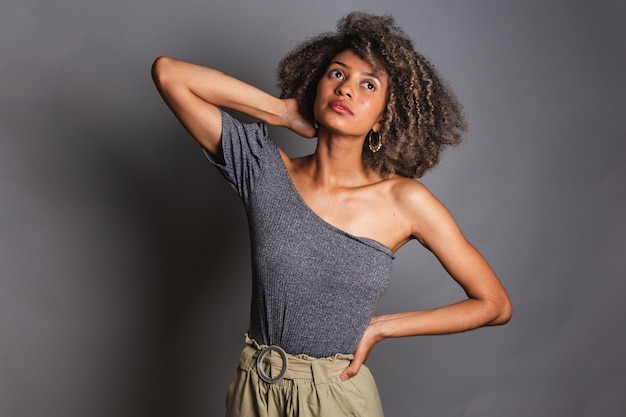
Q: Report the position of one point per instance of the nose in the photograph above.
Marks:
(344, 89)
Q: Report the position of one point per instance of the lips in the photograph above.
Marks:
(340, 107)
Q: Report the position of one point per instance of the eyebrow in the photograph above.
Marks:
(369, 74)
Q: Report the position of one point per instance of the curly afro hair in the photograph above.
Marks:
(422, 115)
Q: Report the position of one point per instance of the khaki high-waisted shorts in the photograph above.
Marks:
(308, 387)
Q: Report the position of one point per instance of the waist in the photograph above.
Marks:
(273, 364)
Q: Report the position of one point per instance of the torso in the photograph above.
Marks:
(375, 208)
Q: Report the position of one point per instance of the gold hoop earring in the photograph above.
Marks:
(379, 141)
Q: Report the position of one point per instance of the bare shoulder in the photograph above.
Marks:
(410, 194)
(419, 207)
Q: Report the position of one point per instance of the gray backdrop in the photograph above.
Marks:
(124, 267)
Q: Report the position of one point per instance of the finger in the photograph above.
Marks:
(351, 370)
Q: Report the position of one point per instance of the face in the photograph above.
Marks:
(351, 96)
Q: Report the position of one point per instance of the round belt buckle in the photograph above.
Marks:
(259, 364)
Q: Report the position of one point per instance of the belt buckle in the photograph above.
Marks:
(259, 363)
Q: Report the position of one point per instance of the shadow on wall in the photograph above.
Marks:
(122, 262)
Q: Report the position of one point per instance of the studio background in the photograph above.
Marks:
(124, 258)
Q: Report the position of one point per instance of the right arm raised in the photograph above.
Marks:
(194, 92)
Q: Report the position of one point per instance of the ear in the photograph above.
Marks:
(379, 124)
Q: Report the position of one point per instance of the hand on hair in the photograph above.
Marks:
(295, 122)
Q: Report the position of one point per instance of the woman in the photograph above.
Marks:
(324, 227)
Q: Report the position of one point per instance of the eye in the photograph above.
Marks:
(336, 74)
(370, 86)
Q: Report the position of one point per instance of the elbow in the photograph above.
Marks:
(504, 312)
(160, 69)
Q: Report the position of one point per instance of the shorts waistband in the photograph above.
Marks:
(272, 364)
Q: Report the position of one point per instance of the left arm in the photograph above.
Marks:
(487, 302)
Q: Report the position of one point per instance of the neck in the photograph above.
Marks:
(338, 162)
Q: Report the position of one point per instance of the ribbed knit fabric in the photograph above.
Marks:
(315, 287)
